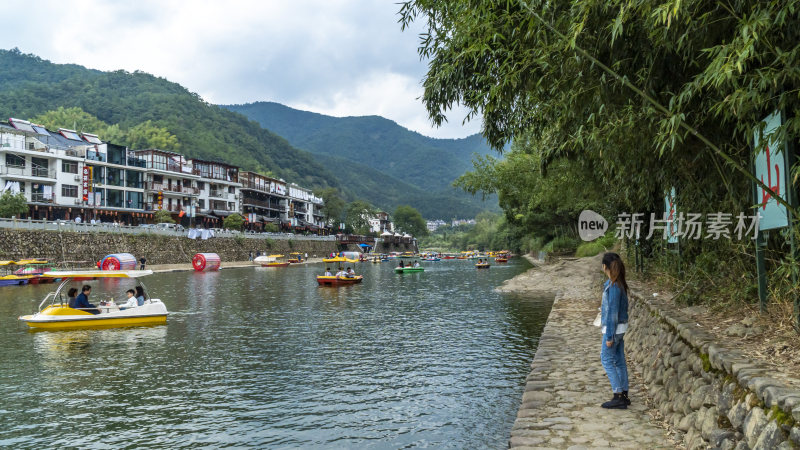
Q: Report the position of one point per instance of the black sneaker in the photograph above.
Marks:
(615, 403)
(626, 398)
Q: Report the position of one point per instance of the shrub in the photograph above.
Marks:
(608, 241)
(13, 204)
(233, 222)
(532, 244)
(162, 216)
(562, 244)
(589, 249)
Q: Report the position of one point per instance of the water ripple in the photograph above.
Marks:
(265, 358)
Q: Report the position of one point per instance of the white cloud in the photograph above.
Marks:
(390, 95)
(339, 57)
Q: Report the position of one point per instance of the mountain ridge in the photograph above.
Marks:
(31, 86)
(357, 137)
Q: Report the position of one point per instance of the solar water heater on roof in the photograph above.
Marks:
(22, 125)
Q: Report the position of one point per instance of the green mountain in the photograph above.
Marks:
(387, 190)
(377, 142)
(30, 86)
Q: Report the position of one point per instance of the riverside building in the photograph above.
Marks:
(65, 174)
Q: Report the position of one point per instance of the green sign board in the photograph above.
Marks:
(770, 168)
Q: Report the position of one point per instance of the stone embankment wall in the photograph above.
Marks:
(59, 247)
(714, 394)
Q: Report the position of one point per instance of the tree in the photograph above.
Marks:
(357, 217)
(13, 204)
(148, 135)
(334, 206)
(680, 87)
(624, 99)
(233, 222)
(74, 117)
(162, 216)
(409, 220)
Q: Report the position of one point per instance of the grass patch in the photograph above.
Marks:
(782, 417)
(589, 249)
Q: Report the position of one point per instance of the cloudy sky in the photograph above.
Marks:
(337, 57)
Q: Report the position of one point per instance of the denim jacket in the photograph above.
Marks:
(614, 309)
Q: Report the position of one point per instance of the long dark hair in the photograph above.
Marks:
(616, 270)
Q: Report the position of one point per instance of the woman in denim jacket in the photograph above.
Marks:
(614, 322)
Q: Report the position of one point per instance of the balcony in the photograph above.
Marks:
(263, 204)
(220, 194)
(172, 188)
(30, 146)
(165, 207)
(96, 156)
(38, 197)
(27, 172)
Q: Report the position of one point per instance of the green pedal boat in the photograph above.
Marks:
(408, 269)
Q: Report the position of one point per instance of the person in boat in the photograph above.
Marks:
(401, 264)
(328, 272)
(416, 263)
(139, 296)
(132, 302)
(82, 301)
(350, 273)
(341, 272)
(72, 294)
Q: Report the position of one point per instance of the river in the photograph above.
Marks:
(266, 358)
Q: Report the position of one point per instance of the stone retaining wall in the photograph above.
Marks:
(714, 394)
(58, 246)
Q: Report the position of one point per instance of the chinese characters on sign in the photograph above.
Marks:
(86, 181)
(770, 170)
(689, 226)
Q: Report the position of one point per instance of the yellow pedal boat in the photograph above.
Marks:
(57, 314)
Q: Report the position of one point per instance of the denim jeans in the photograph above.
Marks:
(613, 359)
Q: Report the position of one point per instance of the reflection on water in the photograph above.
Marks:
(266, 357)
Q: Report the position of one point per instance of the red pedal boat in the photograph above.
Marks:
(338, 281)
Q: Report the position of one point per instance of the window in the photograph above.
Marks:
(201, 185)
(115, 198)
(40, 167)
(133, 179)
(69, 167)
(114, 176)
(134, 200)
(231, 190)
(69, 191)
(98, 174)
(15, 161)
(201, 203)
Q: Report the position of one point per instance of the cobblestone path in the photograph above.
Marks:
(561, 404)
